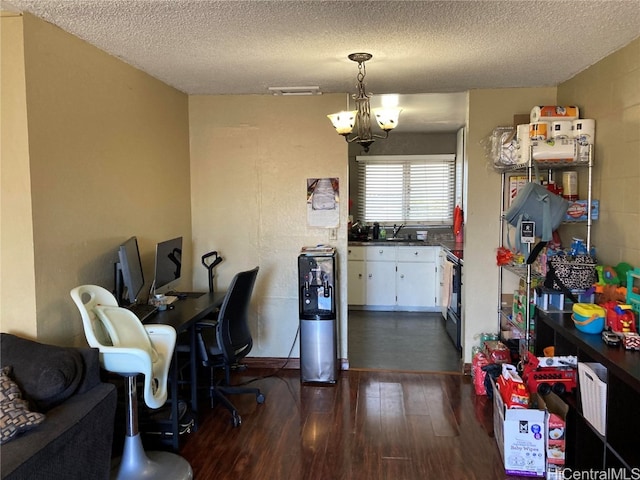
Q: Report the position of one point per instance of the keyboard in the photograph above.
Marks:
(142, 310)
(185, 294)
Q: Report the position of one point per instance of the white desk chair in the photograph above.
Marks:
(129, 348)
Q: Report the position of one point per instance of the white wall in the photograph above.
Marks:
(250, 157)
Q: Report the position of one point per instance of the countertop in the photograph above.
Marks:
(456, 249)
(402, 243)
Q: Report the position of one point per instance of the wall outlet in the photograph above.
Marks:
(333, 234)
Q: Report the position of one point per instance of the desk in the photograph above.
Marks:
(183, 318)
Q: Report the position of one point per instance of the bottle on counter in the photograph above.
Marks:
(376, 230)
(383, 233)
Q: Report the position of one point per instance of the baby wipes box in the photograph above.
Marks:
(524, 442)
(520, 435)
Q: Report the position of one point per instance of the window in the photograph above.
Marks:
(409, 189)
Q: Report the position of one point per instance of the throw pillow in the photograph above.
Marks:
(46, 374)
(15, 416)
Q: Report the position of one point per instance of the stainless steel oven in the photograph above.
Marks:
(453, 318)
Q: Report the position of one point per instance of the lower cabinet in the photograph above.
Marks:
(416, 277)
(393, 277)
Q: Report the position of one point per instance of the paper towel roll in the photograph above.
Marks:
(553, 112)
(584, 130)
(539, 130)
(561, 129)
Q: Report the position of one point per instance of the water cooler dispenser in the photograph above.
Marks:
(317, 309)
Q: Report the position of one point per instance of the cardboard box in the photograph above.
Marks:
(555, 427)
(577, 211)
(520, 435)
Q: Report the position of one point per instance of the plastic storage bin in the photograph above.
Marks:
(593, 394)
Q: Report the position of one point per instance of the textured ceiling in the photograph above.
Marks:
(244, 47)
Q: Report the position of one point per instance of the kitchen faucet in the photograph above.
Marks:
(396, 230)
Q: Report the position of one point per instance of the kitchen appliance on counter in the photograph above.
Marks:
(453, 312)
(317, 312)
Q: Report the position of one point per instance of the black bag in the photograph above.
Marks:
(571, 272)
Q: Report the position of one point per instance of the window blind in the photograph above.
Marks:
(409, 189)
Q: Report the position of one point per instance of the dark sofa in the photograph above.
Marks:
(74, 440)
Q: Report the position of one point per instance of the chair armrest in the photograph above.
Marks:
(207, 324)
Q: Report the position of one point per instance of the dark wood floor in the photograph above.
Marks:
(370, 425)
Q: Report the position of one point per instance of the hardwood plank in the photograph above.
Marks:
(369, 426)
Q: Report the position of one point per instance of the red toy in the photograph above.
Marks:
(544, 379)
(620, 318)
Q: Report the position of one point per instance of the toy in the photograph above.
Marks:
(512, 389)
(550, 374)
(620, 317)
(633, 287)
(611, 338)
(631, 341)
(607, 275)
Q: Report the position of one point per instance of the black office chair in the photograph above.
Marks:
(224, 342)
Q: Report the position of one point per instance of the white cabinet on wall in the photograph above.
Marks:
(390, 277)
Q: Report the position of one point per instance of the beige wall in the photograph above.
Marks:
(487, 110)
(109, 158)
(609, 92)
(17, 278)
(251, 157)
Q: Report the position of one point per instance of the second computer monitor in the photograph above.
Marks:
(168, 264)
(129, 276)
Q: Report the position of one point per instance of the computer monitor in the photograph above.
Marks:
(129, 276)
(168, 264)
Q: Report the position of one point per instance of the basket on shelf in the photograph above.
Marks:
(593, 394)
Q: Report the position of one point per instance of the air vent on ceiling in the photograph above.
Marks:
(295, 90)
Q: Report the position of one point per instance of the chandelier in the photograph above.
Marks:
(344, 122)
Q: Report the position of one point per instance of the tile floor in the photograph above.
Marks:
(404, 341)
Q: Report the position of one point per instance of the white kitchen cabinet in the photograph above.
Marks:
(380, 272)
(393, 277)
(380, 285)
(442, 258)
(356, 276)
(416, 277)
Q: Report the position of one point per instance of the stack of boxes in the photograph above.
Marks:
(531, 441)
